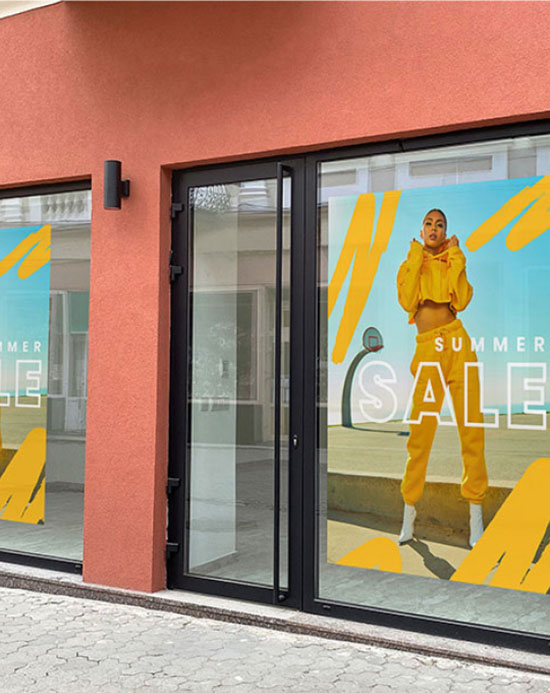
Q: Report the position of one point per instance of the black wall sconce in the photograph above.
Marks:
(113, 186)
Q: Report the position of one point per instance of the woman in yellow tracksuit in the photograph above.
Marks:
(432, 287)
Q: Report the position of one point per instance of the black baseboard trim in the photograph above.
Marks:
(34, 560)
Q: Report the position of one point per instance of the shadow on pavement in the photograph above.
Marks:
(438, 566)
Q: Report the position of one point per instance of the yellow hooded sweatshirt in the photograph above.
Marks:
(440, 278)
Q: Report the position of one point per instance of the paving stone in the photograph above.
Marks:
(58, 644)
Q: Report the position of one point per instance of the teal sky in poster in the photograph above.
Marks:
(510, 288)
(24, 312)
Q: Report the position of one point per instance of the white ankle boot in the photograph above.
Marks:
(476, 523)
(407, 530)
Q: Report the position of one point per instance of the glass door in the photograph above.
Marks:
(235, 436)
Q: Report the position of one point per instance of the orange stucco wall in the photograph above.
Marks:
(161, 85)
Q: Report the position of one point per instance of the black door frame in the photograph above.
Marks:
(305, 357)
(180, 337)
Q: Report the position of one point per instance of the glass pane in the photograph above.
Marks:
(55, 358)
(231, 513)
(47, 517)
(78, 348)
(424, 385)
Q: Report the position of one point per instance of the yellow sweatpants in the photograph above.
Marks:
(428, 397)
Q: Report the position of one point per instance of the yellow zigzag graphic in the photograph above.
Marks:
(26, 468)
(37, 249)
(530, 209)
(363, 257)
(19, 481)
(512, 541)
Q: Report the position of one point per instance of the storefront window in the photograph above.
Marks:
(43, 371)
(433, 456)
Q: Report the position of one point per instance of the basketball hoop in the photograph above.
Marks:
(372, 341)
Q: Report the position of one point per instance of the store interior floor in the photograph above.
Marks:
(431, 558)
(61, 534)
(252, 560)
(423, 587)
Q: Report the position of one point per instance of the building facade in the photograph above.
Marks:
(233, 333)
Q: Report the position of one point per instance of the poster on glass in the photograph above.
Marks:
(24, 324)
(438, 398)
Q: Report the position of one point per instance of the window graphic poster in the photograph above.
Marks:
(24, 327)
(438, 391)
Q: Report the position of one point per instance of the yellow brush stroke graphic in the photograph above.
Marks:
(534, 222)
(357, 251)
(20, 478)
(514, 536)
(380, 552)
(531, 205)
(538, 578)
(34, 249)
(35, 510)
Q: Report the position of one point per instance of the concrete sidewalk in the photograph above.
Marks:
(59, 643)
(277, 618)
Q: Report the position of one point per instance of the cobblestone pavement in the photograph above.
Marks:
(53, 643)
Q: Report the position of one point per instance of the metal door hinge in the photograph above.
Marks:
(175, 272)
(172, 547)
(295, 441)
(172, 483)
(176, 208)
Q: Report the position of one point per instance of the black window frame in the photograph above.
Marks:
(36, 560)
(499, 637)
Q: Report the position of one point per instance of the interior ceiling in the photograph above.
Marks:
(8, 7)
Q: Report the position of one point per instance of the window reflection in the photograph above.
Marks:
(69, 214)
(353, 467)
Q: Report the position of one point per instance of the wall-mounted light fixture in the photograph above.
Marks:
(113, 186)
